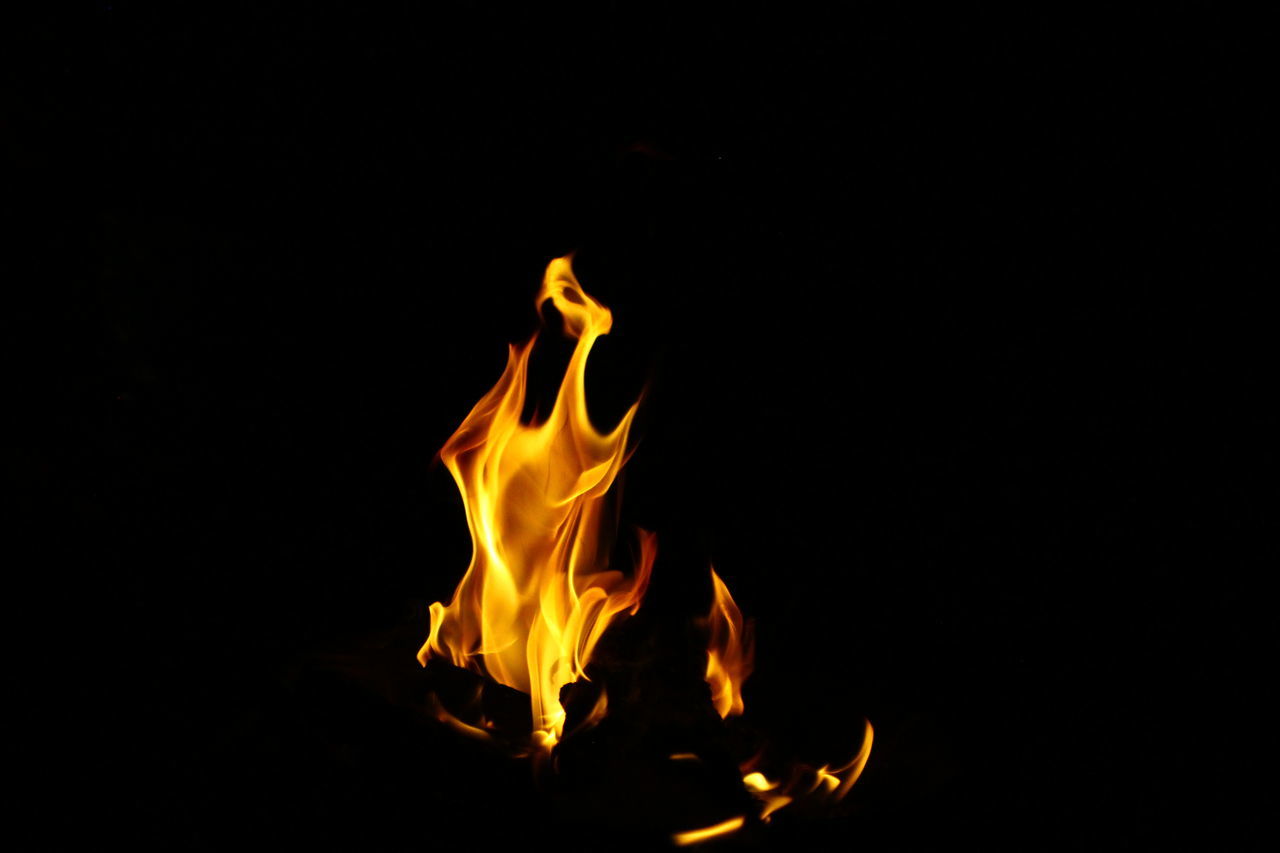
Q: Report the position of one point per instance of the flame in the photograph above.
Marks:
(538, 593)
(822, 784)
(695, 836)
(730, 653)
(729, 650)
(854, 768)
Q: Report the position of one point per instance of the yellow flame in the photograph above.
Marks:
(841, 779)
(821, 783)
(538, 593)
(729, 650)
(729, 662)
(694, 836)
(826, 778)
(760, 787)
(854, 768)
(772, 802)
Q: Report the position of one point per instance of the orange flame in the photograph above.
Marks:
(538, 593)
(695, 836)
(730, 652)
(813, 784)
(849, 773)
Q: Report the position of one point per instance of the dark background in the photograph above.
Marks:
(955, 372)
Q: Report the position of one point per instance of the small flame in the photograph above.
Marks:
(730, 653)
(538, 593)
(695, 836)
(729, 650)
(851, 771)
(805, 782)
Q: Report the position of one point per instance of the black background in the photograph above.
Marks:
(954, 371)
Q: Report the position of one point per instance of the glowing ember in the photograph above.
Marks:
(538, 593)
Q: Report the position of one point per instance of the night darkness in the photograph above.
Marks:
(951, 365)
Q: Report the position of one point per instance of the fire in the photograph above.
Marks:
(695, 836)
(539, 592)
(729, 650)
(730, 654)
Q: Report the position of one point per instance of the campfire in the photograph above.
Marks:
(529, 617)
